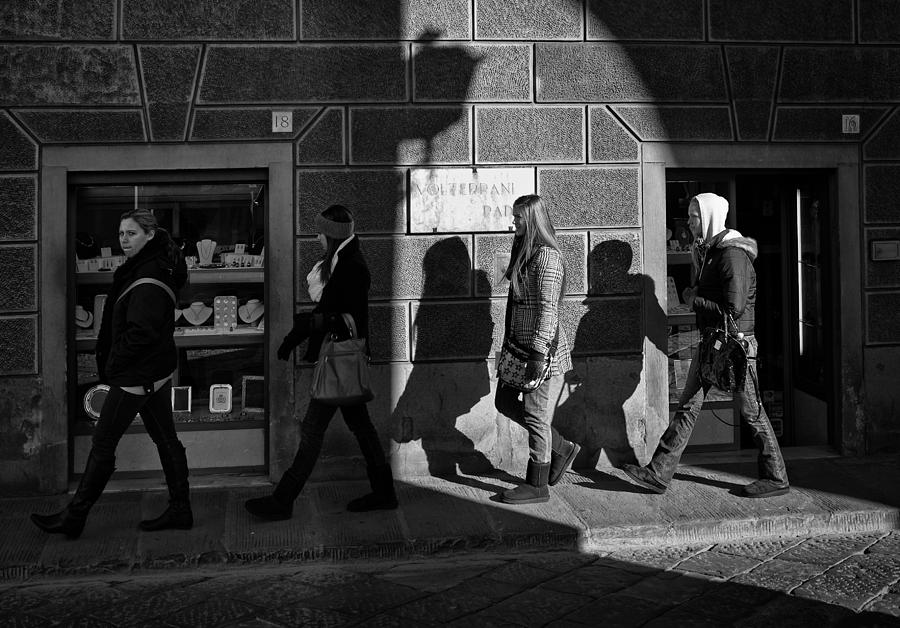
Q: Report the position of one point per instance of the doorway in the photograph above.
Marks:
(790, 215)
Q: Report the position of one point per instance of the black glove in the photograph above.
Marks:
(298, 334)
(287, 346)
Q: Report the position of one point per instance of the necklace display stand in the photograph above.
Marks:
(197, 314)
(251, 311)
(205, 250)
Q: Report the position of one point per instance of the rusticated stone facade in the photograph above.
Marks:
(570, 88)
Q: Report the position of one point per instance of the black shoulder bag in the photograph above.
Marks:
(723, 357)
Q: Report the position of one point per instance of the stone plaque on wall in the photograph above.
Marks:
(466, 199)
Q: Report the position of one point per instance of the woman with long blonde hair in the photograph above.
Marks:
(537, 283)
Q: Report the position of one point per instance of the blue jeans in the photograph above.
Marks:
(675, 439)
(532, 411)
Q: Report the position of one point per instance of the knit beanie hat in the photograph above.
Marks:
(334, 230)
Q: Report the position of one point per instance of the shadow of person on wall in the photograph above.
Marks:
(439, 395)
(605, 412)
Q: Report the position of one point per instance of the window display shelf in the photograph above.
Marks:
(189, 422)
(678, 257)
(238, 338)
(197, 276)
(683, 318)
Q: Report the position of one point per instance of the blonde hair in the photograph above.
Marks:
(539, 232)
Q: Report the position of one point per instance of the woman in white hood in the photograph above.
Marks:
(726, 285)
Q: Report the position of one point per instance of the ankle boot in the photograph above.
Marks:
(535, 490)
(280, 504)
(382, 497)
(560, 462)
(178, 515)
(70, 521)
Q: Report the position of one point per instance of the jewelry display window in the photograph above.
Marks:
(220, 314)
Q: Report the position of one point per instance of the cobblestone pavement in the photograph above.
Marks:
(847, 580)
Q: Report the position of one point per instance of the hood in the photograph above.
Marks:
(713, 211)
(736, 240)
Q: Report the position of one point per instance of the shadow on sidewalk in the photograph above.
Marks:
(448, 554)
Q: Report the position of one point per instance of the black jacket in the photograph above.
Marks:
(727, 280)
(135, 346)
(347, 291)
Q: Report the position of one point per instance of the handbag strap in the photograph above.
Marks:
(148, 280)
(350, 323)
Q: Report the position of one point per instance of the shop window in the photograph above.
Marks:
(220, 314)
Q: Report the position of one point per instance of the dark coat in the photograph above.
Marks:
(347, 291)
(135, 346)
(727, 280)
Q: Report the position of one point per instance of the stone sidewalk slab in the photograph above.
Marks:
(592, 511)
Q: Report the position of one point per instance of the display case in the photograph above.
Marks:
(718, 427)
(218, 384)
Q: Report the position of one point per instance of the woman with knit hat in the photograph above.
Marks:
(339, 284)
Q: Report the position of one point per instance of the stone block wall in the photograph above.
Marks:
(570, 88)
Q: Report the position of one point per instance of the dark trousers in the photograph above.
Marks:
(312, 434)
(119, 411)
(676, 437)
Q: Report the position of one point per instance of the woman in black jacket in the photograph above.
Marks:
(339, 283)
(136, 357)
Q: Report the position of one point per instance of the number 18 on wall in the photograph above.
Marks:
(282, 122)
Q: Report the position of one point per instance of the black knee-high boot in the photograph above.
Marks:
(178, 515)
(70, 521)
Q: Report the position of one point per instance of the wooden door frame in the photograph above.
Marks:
(57, 162)
(843, 161)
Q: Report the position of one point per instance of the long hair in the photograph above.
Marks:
(335, 213)
(148, 224)
(539, 232)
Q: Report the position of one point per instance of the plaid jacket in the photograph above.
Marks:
(533, 320)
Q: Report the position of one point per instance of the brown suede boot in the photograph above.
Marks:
(535, 490)
(560, 462)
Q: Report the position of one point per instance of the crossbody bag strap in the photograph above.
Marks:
(148, 280)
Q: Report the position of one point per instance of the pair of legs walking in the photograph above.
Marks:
(118, 412)
(549, 454)
(658, 473)
(280, 504)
